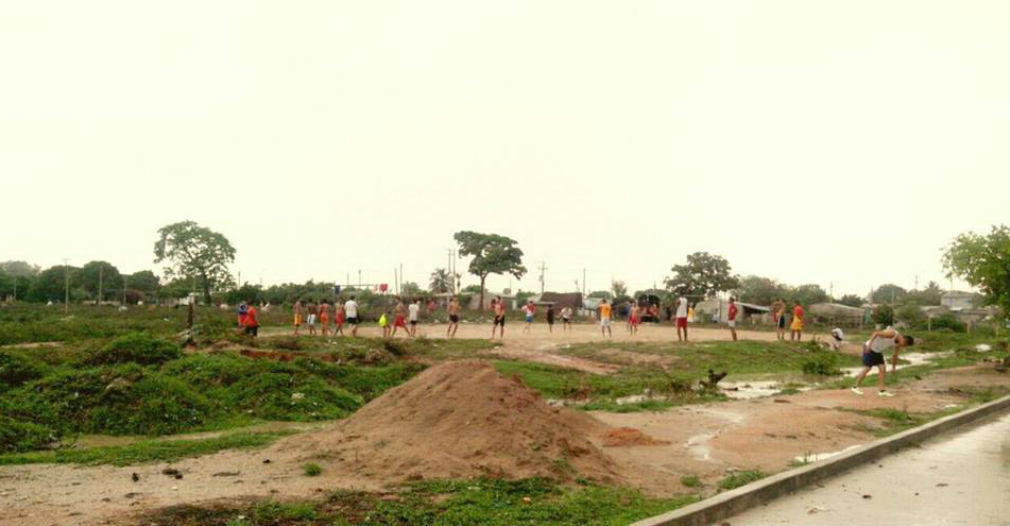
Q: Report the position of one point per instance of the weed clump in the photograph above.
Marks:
(137, 347)
(822, 363)
(17, 369)
(312, 469)
(18, 437)
(741, 478)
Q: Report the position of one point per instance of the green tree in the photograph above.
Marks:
(618, 288)
(889, 293)
(440, 281)
(927, 296)
(704, 274)
(851, 300)
(409, 289)
(809, 294)
(144, 281)
(492, 254)
(19, 268)
(601, 294)
(759, 290)
(195, 252)
(50, 284)
(984, 262)
(99, 273)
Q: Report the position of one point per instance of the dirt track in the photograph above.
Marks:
(704, 440)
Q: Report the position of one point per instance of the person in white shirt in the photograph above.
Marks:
(566, 318)
(412, 313)
(681, 318)
(351, 311)
(873, 356)
(837, 337)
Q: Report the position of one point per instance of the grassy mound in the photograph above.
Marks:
(137, 347)
(17, 437)
(17, 369)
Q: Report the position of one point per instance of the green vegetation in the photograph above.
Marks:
(821, 363)
(312, 469)
(444, 502)
(691, 481)
(741, 478)
(152, 450)
(599, 392)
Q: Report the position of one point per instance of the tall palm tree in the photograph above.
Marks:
(440, 281)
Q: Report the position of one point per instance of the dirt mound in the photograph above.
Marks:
(629, 436)
(459, 419)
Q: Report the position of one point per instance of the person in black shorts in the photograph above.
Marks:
(453, 309)
(498, 307)
(550, 318)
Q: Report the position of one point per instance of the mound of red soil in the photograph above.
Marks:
(629, 436)
(460, 419)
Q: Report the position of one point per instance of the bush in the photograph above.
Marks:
(17, 437)
(312, 469)
(912, 315)
(948, 321)
(822, 363)
(17, 369)
(883, 315)
(282, 396)
(138, 347)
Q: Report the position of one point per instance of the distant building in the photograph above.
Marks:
(957, 300)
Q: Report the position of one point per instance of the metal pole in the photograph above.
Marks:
(583, 282)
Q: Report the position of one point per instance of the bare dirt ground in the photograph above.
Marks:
(427, 428)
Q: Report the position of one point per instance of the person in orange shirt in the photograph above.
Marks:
(338, 318)
(796, 327)
(324, 317)
(604, 309)
(252, 321)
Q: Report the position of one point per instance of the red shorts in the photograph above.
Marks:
(633, 320)
(400, 321)
(682, 322)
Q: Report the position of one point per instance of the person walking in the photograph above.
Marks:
(399, 319)
(528, 311)
(324, 317)
(351, 309)
(550, 318)
(731, 315)
(873, 356)
(339, 318)
(681, 319)
(311, 318)
(413, 316)
(566, 318)
(298, 315)
(252, 321)
(605, 310)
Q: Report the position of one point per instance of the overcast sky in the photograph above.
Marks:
(808, 141)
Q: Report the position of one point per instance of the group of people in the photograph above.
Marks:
(331, 317)
(529, 311)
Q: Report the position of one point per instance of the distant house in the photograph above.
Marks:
(957, 300)
(561, 300)
(836, 312)
(717, 310)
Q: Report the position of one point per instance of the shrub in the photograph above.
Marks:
(823, 363)
(312, 469)
(282, 396)
(138, 347)
(883, 315)
(17, 369)
(949, 321)
(912, 315)
(741, 479)
(17, 437)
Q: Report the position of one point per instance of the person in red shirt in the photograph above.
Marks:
(252, 321)
(732, 317)
(796, 327)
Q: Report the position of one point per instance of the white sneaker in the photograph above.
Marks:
(885, 393)
(857, 390)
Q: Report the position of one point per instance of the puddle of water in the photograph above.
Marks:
(749, 390)
(698, 446)
(821, 456)
(913, 359)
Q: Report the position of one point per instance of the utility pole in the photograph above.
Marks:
(831, 290)
(99, 286)
(66, 287)
(543, 268)
(916, 282)
(124, 290)
(396, 283)
(359, 278)
(583, 282)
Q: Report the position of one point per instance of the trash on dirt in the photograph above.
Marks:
(171, 472)
(867, 496)
(983, 347)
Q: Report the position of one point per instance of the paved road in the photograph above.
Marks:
(957, 478)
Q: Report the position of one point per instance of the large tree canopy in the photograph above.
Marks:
(889, 293)
(760, 290)
(984, 262)
(492, 254)
(704, 274)
(143, 280)
(195, 252)
(95, 274)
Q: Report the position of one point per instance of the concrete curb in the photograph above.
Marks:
(714, 509)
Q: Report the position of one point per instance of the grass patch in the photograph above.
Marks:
(741, 478)
(312, 469)
(145, 450)
(691, 481)
(442, 503)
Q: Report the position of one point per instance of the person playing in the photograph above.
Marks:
(413, 315)
(298, 315)
(634, 317)
(383, 324)
(399, 319)
(324, 317)
(873, 356)
(351, 308)
(778, 310)
(252, 321)
(528, 311)
(604, 310)
(242, 310)
(731, 316)
(453, 309)
(796, 327)
(550, 318)
(566, 318)
(681, 319)
(837, 337)
(498, 307)
(312, 310)
(339, 318)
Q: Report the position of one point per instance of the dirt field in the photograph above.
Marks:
(466, 420)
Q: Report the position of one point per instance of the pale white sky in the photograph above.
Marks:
(808, 141)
